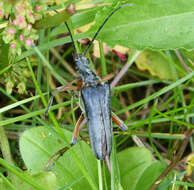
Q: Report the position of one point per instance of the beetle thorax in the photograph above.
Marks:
(86, 74)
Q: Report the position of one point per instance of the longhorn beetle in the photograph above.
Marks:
(95, 96)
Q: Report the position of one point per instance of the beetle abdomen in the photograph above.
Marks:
(96, 100)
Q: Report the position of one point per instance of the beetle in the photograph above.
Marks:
(95, 97)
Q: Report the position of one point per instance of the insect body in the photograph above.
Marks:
(96, 99)
(95, 95)
(97, 107)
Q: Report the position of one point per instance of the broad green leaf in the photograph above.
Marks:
(2, 186)
(37, 145)
(84, 17)
(54, 20)
(159, 24)
(156, 64)
(47, 180)
(149, 176)
(81, 18)
(132, 163)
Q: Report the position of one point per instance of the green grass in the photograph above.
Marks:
(157, 111)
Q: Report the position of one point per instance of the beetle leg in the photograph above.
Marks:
(107, 160)
(59, 89)
(108, 77)
(120, 123)
(76, 130)
(56, 155)
(60, 153)
(79, 84)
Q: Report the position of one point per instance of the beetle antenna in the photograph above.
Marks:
(90, 43)
(71, 36)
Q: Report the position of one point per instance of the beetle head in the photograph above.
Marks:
(83, 67)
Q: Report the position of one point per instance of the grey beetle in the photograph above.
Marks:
(95, 95)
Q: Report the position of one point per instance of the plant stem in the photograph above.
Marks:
(100, 181)
(174, 161)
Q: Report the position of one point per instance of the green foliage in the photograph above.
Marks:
(37, 145)
(160, 101)
(46, 180)
(151, 60)
(42, 143)
(150, 24)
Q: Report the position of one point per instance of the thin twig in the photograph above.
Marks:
(161, 147)
(124, 70)
(174, 161)
(182, 61)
